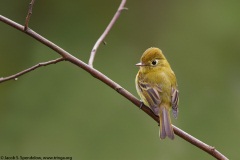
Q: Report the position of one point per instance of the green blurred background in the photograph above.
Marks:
(61, 110)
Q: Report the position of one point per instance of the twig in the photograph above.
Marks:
(29, 14)
(209, 149)
(102, 37)
(212, 151)
(15, 76)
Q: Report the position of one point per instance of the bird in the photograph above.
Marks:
(156, 85)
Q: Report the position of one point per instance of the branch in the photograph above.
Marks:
(29, 14)
(95, 73)
(102, 37)
(15, 76)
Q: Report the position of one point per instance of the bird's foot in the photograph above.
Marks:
(141, 104)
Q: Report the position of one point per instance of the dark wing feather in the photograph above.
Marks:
(175, 100)
(151, 93)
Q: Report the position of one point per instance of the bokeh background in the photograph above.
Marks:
(61, 110)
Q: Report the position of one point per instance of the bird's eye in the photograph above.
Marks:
(154, 62)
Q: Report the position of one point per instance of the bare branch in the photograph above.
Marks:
(95, 73)
(102, 37)
(29, 14)
(15, 76)
(205, 147)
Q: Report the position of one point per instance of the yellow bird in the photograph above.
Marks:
(156, 85)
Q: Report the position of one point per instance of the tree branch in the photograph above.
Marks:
(29, 14)
(95, 73)
(102, 37)
(3, 79)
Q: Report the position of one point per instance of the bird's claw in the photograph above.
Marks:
(141, 104)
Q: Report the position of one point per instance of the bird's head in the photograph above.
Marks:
(152, 58)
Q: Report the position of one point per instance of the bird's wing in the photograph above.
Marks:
(151, 94)
(174, 101)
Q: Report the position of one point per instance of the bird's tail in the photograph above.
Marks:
(165, 124)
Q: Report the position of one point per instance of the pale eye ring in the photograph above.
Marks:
(154, 62)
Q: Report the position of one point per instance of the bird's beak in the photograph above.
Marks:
(140, 64)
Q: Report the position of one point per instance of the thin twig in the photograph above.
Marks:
(29, 14)
(211, 150)
(102, 37)
(15, 76)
